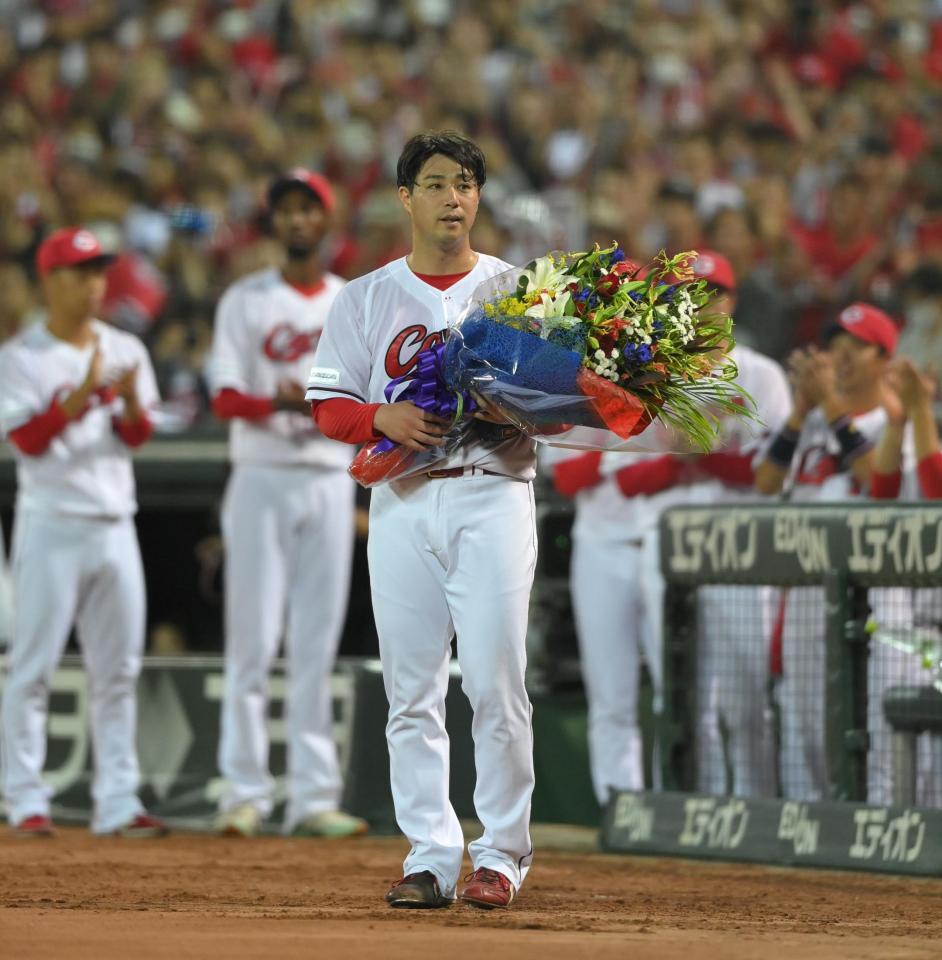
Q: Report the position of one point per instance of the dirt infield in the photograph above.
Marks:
(194, 897)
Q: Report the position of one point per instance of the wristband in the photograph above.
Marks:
(783, 447)
(852, 442)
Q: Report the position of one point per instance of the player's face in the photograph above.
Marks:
(299, 222)
(443, 203)
(77, 291)
(855, 363)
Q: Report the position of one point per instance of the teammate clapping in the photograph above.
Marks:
(75, 398)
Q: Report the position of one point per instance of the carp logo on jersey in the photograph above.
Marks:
(402, 352)
(286, 343)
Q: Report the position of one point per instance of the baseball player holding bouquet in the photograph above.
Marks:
(451, 550)
(287, 524)
(75, 399)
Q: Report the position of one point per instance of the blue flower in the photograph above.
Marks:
(618, 255)
(637, 354)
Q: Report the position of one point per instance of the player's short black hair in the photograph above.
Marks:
(465, 152)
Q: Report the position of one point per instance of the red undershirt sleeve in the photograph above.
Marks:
(885, 486)
(578, 473)
(349, 421)
(134, 433)
(930, 476)
(230, 403)
(34, 437)
(733, 469)
(649, 476)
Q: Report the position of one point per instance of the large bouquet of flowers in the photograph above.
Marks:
(587, 341)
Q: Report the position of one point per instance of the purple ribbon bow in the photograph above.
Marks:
(428, 390)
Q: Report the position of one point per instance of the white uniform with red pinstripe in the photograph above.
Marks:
(446, 556)
(287, 523)
(75, 559)
(617, 600)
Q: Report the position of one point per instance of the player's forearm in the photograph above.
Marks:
(929, 472)
(886, 479)
(731, 469)
(888, 454)
(134, 432)
(649, 476)
(230, 404)
(925, 431)
(34, 437)
(346, 420)
(580, 473)
(76, 402)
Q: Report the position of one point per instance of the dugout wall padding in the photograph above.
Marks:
(846, 549)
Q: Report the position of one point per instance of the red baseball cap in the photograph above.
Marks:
(869, 324)
(315, 184)
(715, 269)
(69, 248)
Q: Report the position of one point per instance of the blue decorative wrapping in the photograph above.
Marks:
(493, 351)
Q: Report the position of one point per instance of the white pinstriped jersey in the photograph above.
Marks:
(376, 328)
(765, 382)
(86, 470)
(816, 474)
(266, 333)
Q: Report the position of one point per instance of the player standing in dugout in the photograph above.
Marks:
(288, 526)
(76, 397)
(451, 551)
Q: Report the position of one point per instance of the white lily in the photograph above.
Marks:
(553, 313)
(546, 275)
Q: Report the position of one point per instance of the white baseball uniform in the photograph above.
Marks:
(446, 556)
(287, 522)
(6, 597)
(816, 476)
(75, 558)
(617, 600)
(735, 622)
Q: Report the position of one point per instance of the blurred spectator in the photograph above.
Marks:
(803, 139)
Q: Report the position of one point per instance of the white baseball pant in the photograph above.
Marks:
(88, 571)
(288, 534)
(456, 555)
(732, 681)
(617, 599)
(6, 597)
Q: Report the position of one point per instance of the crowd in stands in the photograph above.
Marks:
(801, 138)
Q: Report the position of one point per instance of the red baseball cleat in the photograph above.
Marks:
(487, 889)
(143, 827)
(34, 826)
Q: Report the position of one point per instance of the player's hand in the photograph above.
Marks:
(913, 387)
(795, 366)
(77, 400)
(125, 386)
(490, 411)
(890, 398)
(405, 423)
(290, 396)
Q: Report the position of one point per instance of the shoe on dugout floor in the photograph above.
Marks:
(417, 891)
(34, 826)
(143, 827)
(331, 823)
(240, 821)
(487, 889)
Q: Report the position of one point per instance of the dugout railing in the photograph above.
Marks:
(869, 626)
